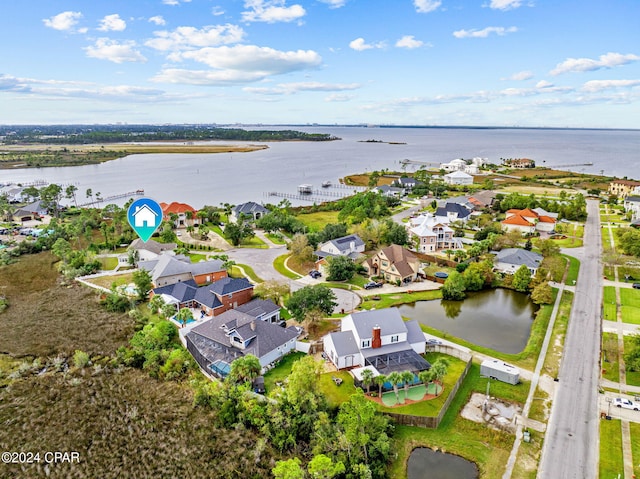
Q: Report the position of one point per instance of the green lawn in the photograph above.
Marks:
(281, 371)
(635, 447)
(396, 299)
(610, 363)
(611, 462)
(197, 257)
(574, 268)
(317, 221)
(630, 299)
(278, 264)
(633, 377)
(108, 281)
(253, 242)
(335, 394)
(630, 314)
(237, 272)
(609, 303)
(108, 263)
(276, 238)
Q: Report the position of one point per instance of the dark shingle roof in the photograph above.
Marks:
(229, 285)
(519, 256)
(453, 208)
(258, 307)
(249, 208)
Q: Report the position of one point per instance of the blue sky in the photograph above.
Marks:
(560, 63)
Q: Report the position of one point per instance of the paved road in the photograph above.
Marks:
(572, 442)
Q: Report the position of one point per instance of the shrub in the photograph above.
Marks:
(80, 359)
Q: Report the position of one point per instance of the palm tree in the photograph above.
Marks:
(439, 368)
(156, 303)
(380, 380)
(395, 378)
(184, 315)
(245, 369)
(367, 378)
(407, 378)
(448, 252)
(426, 376)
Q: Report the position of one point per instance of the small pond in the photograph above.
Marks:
(425, 463)
(499, 319)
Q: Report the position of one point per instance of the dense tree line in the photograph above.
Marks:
(568, 207)
(87, 134)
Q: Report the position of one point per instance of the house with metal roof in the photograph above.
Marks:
(250, 209)
(217, 342)
(509, 260)
(380, 339)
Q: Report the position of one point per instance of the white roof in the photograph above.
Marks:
(500, 366)
(357, 372)
(458, 174)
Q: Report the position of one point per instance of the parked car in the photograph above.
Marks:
(626, 403)
(433, 342)
(315, 274)
(372, 285)
(636, 285)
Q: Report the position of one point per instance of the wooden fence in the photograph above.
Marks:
(431, 421)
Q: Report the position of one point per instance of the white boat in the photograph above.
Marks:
(326, 184)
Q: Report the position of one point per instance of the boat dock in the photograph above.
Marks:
(318, 195)
(111, 198)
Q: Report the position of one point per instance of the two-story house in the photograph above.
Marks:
(169, 269)
(250, 210)
(394, 263)
(185, 214)
(433, 233)
(377, 338)
(351, 246)
(529, 221)
(623, 188)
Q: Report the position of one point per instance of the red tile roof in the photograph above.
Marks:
(516, 220)
(176, 207)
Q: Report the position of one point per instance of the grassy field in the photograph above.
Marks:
(630, 309)
(46, 317)
(108, 263)
(276, 238)
(609, 303)
(401, 297)
(238, 270)
(611, 463)
(317, 221)
(610, 363)
(633, 377)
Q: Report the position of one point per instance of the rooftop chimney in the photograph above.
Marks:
(377, 340)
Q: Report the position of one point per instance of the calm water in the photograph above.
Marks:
(239, 177)
(425, 463)
(499, 319)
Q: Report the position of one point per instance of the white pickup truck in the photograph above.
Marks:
(626, 403)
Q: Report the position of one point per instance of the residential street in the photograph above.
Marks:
(571, 443)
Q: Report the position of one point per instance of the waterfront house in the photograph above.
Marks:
(433, 233)
(185, 214)
(250, 210)
(519, 163)
(32, 211)
(380, 339)
(632, 205)
(390, 191)
(407, 183)
(219, 341)
(509, 260)
(458, 178)
(394, 263)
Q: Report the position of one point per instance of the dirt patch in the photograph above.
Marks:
(495, 413)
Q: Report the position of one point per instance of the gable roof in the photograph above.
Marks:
(258, 307)
(229, 285)
(518, 256)
(167, 265)
(344, 343)
(344, 243)
(462, 211)
(400, 258)
(458, 174)
(152, 245)
(389, 320)
(517, 220)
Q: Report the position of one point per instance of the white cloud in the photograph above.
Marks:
(360, 45)
(599, 85)
(484, 33)
(106, 49)
(521, 76)
(158, 20)
(338, 97)
(238, 64)
(335, 3)
(112, 23)
(188, 37)
(505, 4)
(608, 60)
(426, 6)
(217, 11)
(294, 87)
(271, 11)
(408, 41)
(64, 21)
(173, 3)
(544, 84)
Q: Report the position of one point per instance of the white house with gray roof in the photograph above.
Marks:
(510, 259)
(250, 209)
(351, 246)
(380, 339)
(169, 269)
(632, 204)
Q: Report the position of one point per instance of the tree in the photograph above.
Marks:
(245, 369)
(300, 249)
(395, 234)
(184, 316)
(367, 378)
(322, 467)
(70, 193)
(426, 376)
(548, 247)
(143, 282)
(373, 178)
(542, 293)
(439, 369)
(521, 279)
(454, 287)
(395, 378)
(407, 378)
(50, 196)
(341, 268)
(272, 290)
(353, 418)
(237, 232)
(156, 303)
(380, 380)
(167, 310)
(311, 297)
(290, 469)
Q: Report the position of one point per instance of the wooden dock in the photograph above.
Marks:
(111, 198)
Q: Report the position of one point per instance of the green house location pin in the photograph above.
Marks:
(145, 216)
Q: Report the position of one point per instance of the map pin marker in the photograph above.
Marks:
(145, 216)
